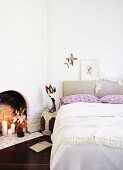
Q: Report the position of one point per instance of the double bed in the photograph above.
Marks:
(88, 131)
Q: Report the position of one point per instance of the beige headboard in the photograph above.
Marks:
(88, 87)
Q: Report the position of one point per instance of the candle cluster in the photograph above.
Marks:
(5, 130)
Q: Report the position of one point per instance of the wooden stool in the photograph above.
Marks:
(47, 122)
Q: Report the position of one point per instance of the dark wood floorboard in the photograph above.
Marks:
(21, 157)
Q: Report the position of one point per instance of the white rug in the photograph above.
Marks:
(6, 141)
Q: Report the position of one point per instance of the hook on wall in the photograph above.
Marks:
(70, 60)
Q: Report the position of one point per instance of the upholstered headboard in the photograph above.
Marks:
(89, 87)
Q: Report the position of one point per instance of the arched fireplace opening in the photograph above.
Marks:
(13, 108)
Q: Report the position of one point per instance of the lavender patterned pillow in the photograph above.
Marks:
(112, 99)
(79, 98)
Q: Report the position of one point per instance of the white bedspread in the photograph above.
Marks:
(87, 124)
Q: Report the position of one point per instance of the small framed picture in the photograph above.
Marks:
(89, 69)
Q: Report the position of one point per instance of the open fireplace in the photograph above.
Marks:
(12, 104)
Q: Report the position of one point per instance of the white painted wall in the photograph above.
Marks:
(88, 29)
(23, 52)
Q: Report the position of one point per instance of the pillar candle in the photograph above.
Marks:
(4, 128)
(10, 132)
(13, 127)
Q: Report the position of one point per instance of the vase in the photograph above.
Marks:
(20, 132)
(53, 108)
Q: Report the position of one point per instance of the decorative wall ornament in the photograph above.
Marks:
(70, 60)
(50, 91)
(89, 70)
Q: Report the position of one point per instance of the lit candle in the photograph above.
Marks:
(13, 127)
(10, 132)
(4, 128)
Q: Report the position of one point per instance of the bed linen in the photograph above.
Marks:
(88, 136)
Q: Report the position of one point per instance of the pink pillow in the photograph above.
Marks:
(79, 98)
(112, 99)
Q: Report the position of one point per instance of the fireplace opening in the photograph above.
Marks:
(13, 108)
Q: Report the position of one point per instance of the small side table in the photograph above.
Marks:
(47, 122)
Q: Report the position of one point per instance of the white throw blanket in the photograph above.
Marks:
(88, 123)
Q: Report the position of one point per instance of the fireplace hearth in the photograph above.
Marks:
(11, 102)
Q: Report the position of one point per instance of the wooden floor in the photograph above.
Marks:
(21, 157)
